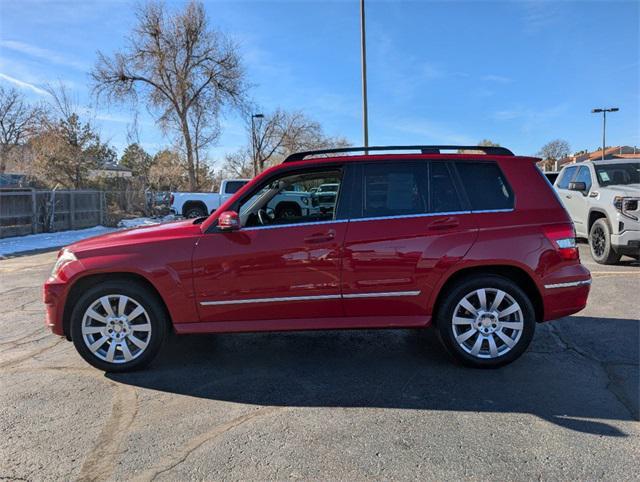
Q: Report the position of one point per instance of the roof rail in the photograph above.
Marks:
(489, 150)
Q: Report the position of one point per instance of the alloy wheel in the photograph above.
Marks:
(487, 323)
(598, 241)
(116, 328)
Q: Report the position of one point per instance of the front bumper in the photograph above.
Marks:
(627, 242)
(54, 294)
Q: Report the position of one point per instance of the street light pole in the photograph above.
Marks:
(363, 52)
(604, 111)
(253, 142)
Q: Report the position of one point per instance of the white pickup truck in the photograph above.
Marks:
(199, 204)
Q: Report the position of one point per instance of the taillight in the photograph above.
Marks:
(171, 197)
(563, 238)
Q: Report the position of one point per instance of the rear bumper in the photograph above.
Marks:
(567, 294)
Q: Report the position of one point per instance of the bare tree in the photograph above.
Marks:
(18, 121)
(66, 147)
(488, 143)
(206, 131)
(239, 164)
(275, 137)
(177, 63)
(552, 152)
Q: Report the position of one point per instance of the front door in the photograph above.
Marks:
(579, 202)
(280, 264)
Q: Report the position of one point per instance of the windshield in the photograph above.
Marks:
(616, 174)
(328, 188)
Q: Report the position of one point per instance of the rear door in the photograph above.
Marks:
(408, 226)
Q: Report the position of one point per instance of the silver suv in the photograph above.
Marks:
(602, 198)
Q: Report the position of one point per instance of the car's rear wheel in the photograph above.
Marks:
(195, 211)
(600, 243)
(118, 327)
(486, 321)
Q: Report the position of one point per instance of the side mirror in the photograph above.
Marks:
(229, 221)
(577, 186)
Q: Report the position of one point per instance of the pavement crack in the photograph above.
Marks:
(100, 463)
(197, 442)
(612, 385)
(23, 337)
(34, 354)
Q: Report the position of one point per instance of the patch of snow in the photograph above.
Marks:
(31, 242)
(135, 222)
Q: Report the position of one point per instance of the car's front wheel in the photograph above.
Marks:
(486, 321)
(118, 327)
(600, 243)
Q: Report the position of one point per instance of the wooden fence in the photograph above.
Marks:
(27, 211)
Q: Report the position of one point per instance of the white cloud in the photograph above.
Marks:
(430, 131)
(23, 85)
(42, 54)
(497, 78)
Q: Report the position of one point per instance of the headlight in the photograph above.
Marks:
(305, 200)
(626, 204)
(64, 258)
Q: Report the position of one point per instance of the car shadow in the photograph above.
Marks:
(405, 369)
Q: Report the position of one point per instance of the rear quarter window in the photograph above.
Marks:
(485, 185)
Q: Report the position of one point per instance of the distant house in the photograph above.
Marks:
(110, 171)
(616, 152)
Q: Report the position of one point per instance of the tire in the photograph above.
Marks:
(486, 341)
(600, 243)
(135, 341)
(195, 212)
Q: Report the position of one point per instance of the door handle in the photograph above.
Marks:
(320, 237)
(568, 196)
(446, 223)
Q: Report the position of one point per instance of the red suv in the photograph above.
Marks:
(474, 242)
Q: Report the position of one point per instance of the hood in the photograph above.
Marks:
(142, 234)
(631, 190)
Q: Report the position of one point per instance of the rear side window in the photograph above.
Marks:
(444, 196)
(394, 189)
(233, 187)
(566, 176)
(485, 185)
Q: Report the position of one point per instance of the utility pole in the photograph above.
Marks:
(363, 52)
(253, 142)
(604, 111)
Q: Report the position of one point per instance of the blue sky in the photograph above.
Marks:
(517, 72)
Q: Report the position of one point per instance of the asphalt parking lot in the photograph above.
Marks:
(324, 405)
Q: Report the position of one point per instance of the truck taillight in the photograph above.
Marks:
(171, 197)
(563, 238)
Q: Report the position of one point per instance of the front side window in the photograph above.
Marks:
(486, 186)
(293, 199)
(394, 189)
(584, 176)
(566, 177)
(618, 174)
